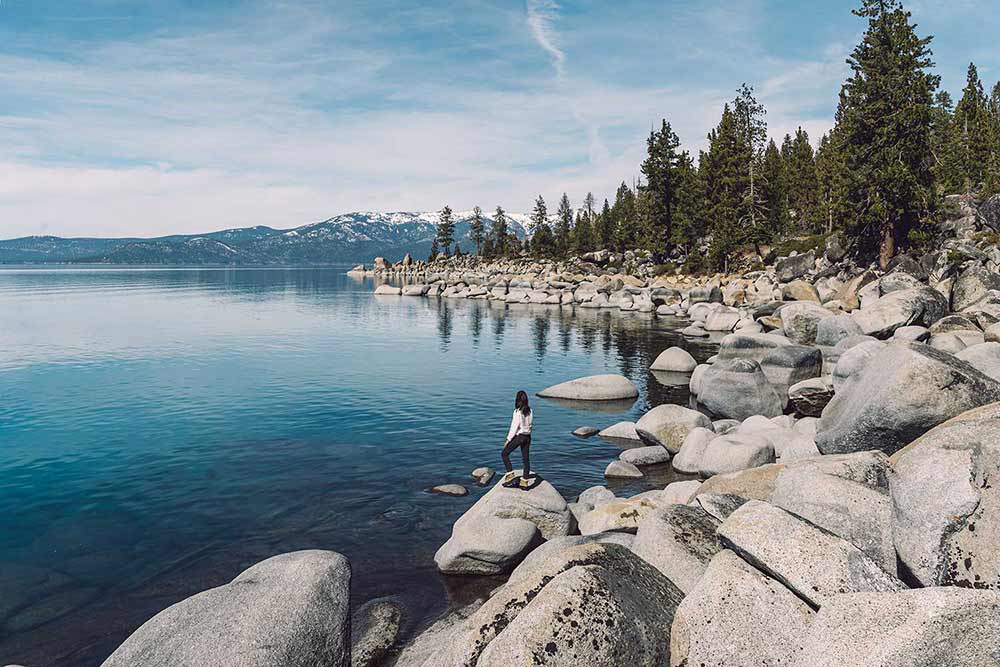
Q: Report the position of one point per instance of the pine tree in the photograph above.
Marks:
(498, 233)
(446, 229)
(604, 230)
(477, 230)
(434, 250)
(689, 204)
(773, 187)
(726, 181)
(660, 170)
(627, 228)
(564, 226)
(583, 238)
(971, 137)
(751, 130)
(800, 171)
(831, 180)
(942, 153)
(886, 112)
(542, 242)
(993, 172)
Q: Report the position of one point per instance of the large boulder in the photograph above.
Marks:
(858, 513)
(984, 357)
(946, 502)
(922, 305)
(388, 290)
(674, 360)
(832, 330)
(854, 361)
(971, 286)
(737, 389)
(645, 456)
(810, 397)
(737, 616)
(374, 629)
(791, 364)
(679, 541)
(813, 563)
(734, 452)
(800, 321)
(795, 266)
(667, 426)
(688, 459)
(708, 294)
(620, 515)
(590, 604)
(291, 609)
(905, 390)
(593, 388)
(620, 431)
(750, 346)
(504, 525)
(930, 627)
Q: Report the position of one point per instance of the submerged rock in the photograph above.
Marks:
(374, 629)
(290, 610)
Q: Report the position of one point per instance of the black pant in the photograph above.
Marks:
(523, 441)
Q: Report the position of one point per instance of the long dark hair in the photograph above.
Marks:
(521, 403)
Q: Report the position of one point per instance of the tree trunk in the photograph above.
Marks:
(888, 247)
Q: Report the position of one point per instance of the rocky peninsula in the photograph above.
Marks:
(842, 506)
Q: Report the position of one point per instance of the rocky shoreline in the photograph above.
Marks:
(842, 507)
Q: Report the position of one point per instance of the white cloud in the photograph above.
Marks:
(541, 16)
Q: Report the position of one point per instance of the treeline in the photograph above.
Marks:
(898, 145)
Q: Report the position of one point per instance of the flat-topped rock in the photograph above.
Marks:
(593, 388)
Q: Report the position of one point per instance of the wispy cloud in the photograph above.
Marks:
(541, 18)
(286, 113)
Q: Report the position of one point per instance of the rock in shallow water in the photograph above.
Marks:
(504, 525)
(374, 629)
(289, 610)
(668, 425)
(737, 389)
(450, 490)
(593, 388)
(675, 360)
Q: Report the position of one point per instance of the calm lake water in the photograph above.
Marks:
(163, 429)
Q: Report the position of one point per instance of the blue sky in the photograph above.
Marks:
(146, 118)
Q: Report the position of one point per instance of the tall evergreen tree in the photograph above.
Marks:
(751, 130)
(659, 168)
(434, 250)
(498, 238)
(446, 229)
(971, 137)
(726, 179)
(604, 230)
(886, 112)
(942, 155)
(542, 241)
(583, 237)
(627, 227)
(800, 170)
(689, 204)
(564, 226)
(773, 193)
(831, 180)
(477, 230)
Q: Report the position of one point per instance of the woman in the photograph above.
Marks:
(519, 435)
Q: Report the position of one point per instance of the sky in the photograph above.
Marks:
(152, 117)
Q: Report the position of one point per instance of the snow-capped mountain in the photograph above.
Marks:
(351, 237)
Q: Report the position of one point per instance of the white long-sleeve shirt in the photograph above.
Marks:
(519, 423)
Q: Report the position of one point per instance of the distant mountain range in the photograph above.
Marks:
(352, 237)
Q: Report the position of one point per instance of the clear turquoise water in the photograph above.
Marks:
(163, 429)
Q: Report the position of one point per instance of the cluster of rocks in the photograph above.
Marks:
(841, 500)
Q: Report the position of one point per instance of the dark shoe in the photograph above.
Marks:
(513, 483)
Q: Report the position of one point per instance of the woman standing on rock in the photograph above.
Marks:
(519, 435)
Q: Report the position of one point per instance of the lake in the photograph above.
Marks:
(163, 429)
